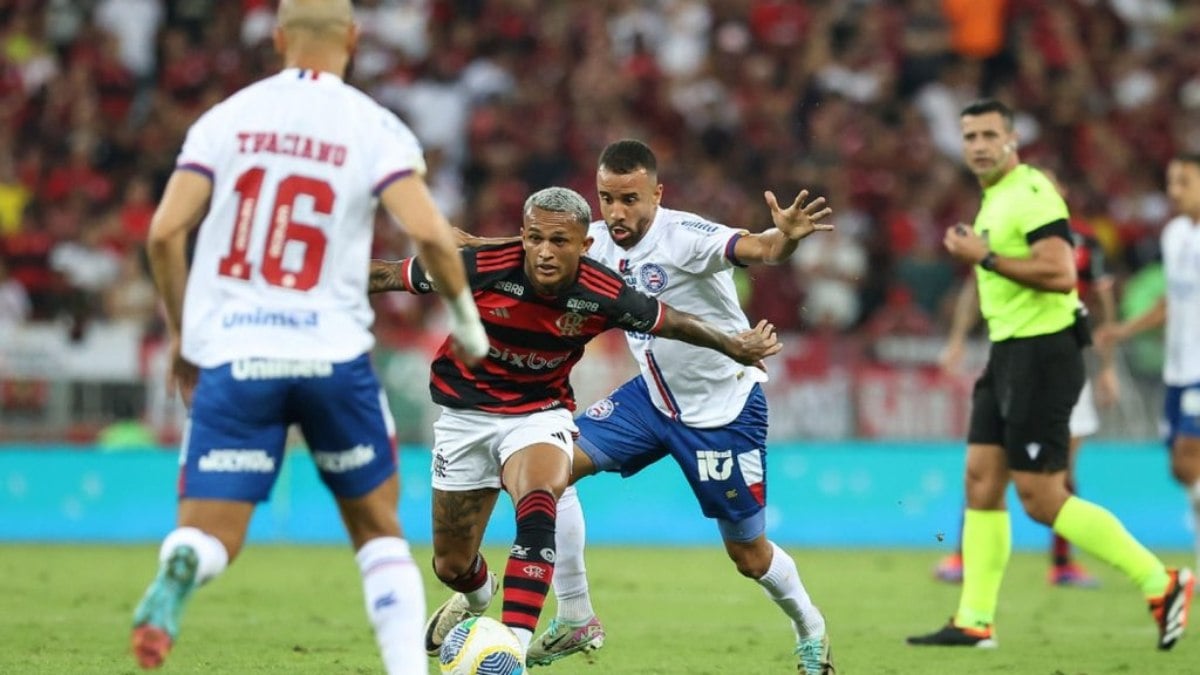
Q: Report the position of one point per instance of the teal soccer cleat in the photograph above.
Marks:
(815, 657)
(156, 619)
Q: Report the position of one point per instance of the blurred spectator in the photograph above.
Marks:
(127, 431)
(131, 298)
(135, 23)
(832, 268)
(89, 270)
(14, 196)
(15, 307)
(512, 95)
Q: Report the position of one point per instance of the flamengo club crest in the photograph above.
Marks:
(569, 324)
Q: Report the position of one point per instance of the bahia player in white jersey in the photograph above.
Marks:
(1179, 309)
(270, 325)
(704, 410)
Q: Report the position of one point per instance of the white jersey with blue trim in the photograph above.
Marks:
(297, 162)
(1181, 265)
(687, 262)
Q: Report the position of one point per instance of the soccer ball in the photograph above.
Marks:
(481, 646)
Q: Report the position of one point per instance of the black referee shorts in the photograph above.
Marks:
(1024, 398)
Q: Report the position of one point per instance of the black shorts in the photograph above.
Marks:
(1024, 398)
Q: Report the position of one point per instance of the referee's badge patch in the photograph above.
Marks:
(600, 409)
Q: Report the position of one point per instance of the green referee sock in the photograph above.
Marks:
(1097, 531)
(986, 545)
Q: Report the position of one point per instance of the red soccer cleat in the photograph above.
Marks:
(150, 646)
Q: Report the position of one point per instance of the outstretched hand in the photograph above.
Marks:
(756, 344)
(799, 220)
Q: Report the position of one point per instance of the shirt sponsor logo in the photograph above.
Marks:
(278, 369)
(528, 361)
(275, 319)
(581, 305)
(510, 287)
(236, 461)
(570, 324)
(341, 461)
(601, 410)
(652, 277)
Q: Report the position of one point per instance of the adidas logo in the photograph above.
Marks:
(499, 312)
(1034, 449)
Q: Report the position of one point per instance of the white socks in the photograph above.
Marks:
(570, 574)
(782, 584)
(395, 601)
(1195, 497)
(211, 556)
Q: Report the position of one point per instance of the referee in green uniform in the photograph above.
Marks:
(1021, 248)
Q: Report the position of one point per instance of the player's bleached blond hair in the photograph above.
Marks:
(315, 16)
(561, 200)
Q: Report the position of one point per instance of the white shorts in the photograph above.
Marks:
(470, 447)
(1084, 419)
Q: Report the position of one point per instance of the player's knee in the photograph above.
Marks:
(1040, 505)
(752, 561)
(451, 568)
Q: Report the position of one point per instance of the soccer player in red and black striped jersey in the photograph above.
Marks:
(507, 422)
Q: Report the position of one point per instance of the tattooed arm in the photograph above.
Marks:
(385, 275)
(464, 238)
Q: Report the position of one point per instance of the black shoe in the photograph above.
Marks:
(1171, 610)
(956, 636)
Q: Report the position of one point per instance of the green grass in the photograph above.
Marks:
(66, 609)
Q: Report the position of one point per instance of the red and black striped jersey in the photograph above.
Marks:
(534, 340)
(1089, 257)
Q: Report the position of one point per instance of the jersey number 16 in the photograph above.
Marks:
(282, 230)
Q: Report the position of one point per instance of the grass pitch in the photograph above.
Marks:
(66, 609)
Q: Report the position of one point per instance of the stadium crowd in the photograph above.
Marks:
(854, 99)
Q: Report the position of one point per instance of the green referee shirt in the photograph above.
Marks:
(1016, 212)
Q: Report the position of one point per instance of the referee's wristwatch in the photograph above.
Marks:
(989, 262)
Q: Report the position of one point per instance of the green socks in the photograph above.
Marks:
(1095, 530)
(986, 545)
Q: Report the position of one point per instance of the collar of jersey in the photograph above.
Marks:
(1019, 171)
(323, 77)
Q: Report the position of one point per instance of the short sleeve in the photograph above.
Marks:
(710, 246)
(397, 152)
(1041, 205)
(636, 312)
(201, 147)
